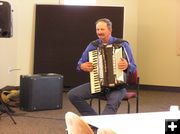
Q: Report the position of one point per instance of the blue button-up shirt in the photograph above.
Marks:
(85, 58)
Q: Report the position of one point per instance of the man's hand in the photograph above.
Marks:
(123, 64)
(87, 66)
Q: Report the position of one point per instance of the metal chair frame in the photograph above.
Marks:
(127, 99)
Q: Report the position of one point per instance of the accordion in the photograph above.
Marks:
(105, 72)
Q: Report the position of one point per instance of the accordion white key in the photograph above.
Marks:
(105, 67)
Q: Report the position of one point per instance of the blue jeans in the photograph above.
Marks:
(80, 94)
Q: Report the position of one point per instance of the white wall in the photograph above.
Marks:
(178, 27)
(17, 52)
(157, 58)
(8, 55)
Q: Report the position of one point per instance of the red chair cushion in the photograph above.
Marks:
(129, 95)
(132, 78)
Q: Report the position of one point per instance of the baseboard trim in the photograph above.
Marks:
(159, 88)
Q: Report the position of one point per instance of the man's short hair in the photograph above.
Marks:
(107, 21)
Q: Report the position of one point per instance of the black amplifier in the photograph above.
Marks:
(41, 92)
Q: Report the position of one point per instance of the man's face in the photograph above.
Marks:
(102, 31)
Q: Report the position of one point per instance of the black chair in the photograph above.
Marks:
(133, 85)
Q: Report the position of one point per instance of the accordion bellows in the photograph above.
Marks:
(105, 67)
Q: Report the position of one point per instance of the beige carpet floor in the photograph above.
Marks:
(52, 121)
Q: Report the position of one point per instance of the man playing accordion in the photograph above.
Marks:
(113, 94)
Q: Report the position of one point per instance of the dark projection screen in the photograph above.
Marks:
(63, 32)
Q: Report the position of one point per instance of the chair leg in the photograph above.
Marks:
(128, 106)
(137, 105)
(99, 106)
(90, 102)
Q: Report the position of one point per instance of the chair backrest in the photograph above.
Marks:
(132, 78)
(76, 125)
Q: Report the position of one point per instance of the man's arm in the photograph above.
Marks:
(130, 59)
(87, 66)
